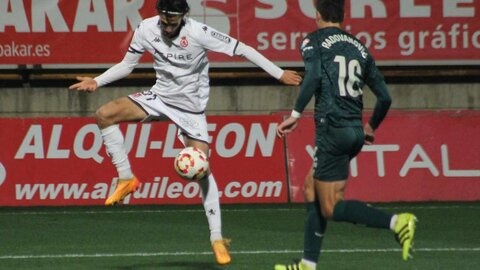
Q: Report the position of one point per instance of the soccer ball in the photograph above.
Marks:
(191, 164)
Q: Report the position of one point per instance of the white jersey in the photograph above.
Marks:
(181, 64)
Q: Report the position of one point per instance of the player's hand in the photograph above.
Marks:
(369, 134)
(287, 126)
(290, 77)
(86, 84)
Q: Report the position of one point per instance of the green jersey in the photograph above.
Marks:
(337, 66)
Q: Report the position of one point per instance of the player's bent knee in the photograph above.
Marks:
(102, 118)
(327, 210)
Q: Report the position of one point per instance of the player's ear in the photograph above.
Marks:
(318, 16)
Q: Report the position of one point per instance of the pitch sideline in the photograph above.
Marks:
(245, 252)
(139, 211)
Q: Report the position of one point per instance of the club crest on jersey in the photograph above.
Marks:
(184, 42)
(306, 46)
(221, 37)
(304, 43)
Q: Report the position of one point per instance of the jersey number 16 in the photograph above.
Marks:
(347, 76)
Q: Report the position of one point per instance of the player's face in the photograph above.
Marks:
(171, 25)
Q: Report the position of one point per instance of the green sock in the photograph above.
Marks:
(360, 213)
(315, 226)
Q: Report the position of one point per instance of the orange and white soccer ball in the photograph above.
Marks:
(191, 164)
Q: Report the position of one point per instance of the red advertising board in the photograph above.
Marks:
(62, 161)
(78, 32)
(417, 156)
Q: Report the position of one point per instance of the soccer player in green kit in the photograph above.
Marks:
(337, 66)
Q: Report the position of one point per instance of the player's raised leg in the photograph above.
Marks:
(404, 228)
(358, 212)
(108, 116)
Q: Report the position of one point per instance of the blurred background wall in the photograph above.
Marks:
(251, 92)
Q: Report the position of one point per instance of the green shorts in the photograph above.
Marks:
(334, 148)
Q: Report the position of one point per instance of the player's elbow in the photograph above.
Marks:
(243, 49)
(385, 102)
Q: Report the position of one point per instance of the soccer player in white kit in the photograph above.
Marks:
(179, 47)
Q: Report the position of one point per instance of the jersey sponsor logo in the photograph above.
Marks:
(184, 42)
(221, 37)
(176, 56)
(157, 39)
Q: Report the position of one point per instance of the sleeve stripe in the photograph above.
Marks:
(235, 49)
(132, 50)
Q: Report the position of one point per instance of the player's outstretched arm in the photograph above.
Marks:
(86, 84)
(290, 77)
(116, 72)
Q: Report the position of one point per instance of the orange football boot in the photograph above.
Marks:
(124, 187)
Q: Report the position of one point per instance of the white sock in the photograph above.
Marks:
(309, 264)
(114, 142)
(211, 204)
(392, 222)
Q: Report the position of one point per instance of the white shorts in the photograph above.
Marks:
(190, 124)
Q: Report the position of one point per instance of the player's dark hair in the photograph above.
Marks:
(331, 10)
(172, 7)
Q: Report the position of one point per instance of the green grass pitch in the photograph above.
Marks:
(177, 238)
